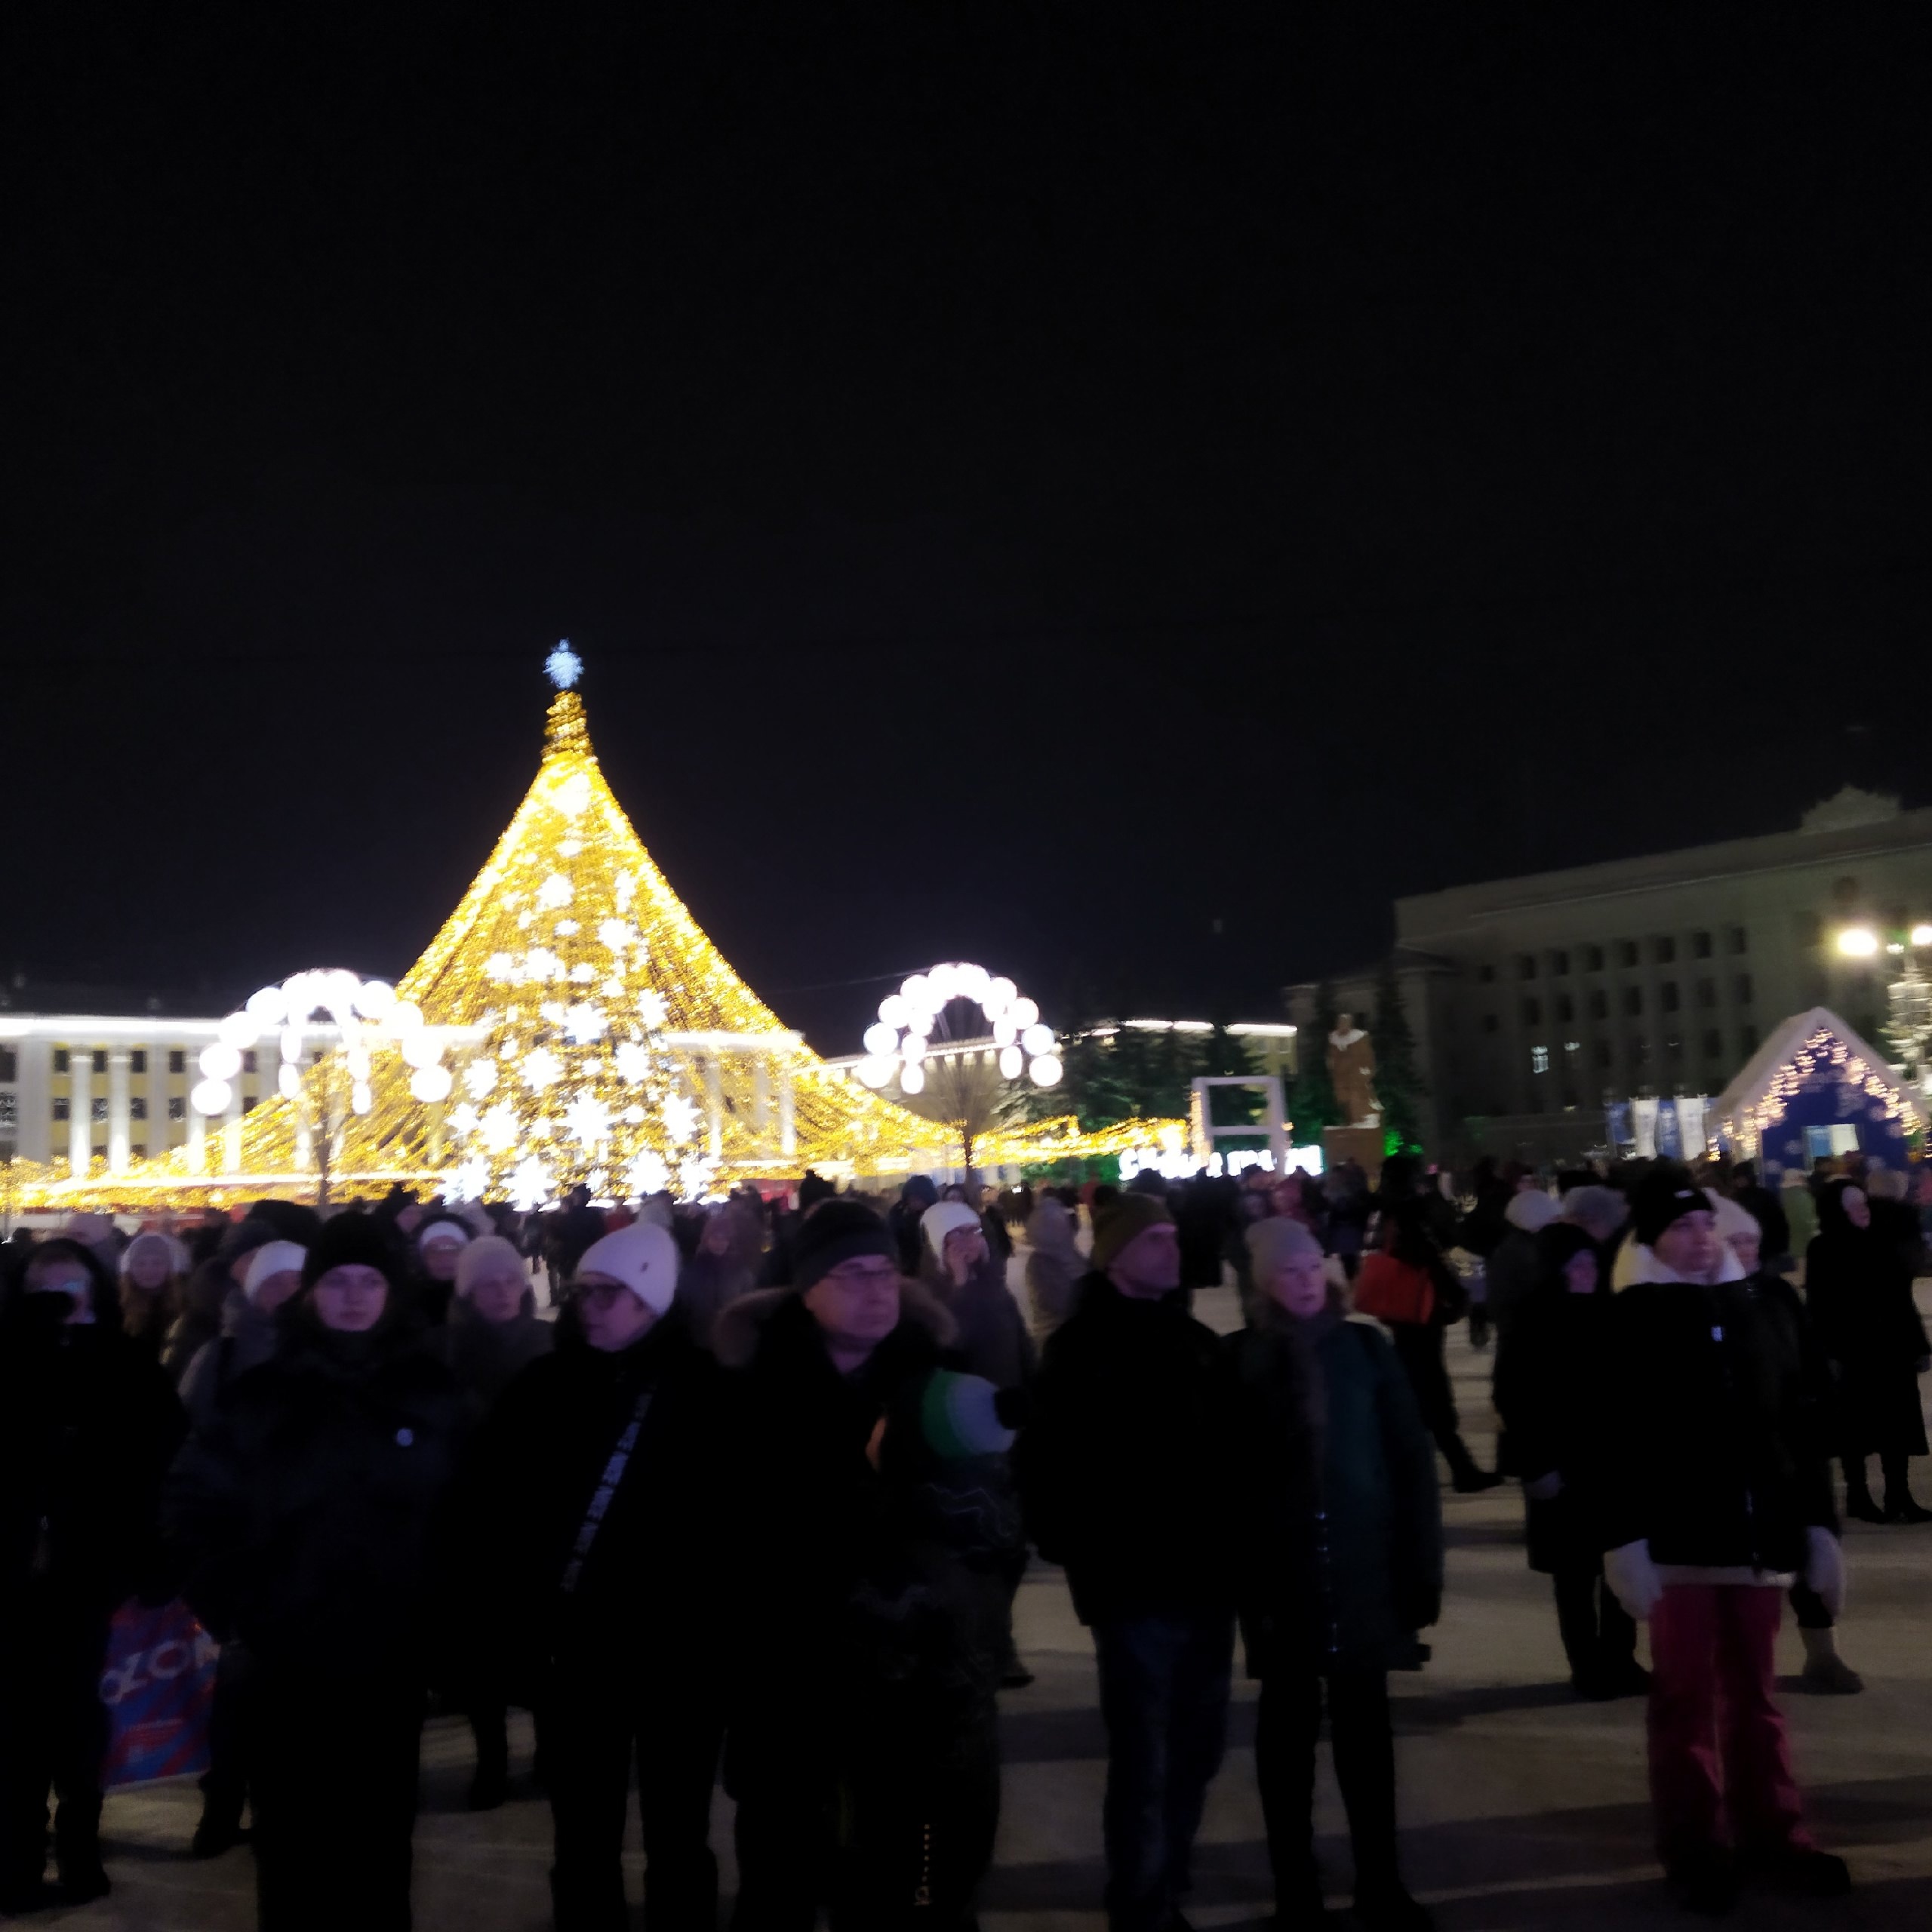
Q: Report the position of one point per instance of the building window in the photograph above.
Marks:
(60, 1108)
(1486, 972)
(1701, 945)
(1526, 965)
(177, 1060)
(1667, 996)
(1713, 1043)
(1532, 1012)
(1637, 1051)
(139, 1150)
(1599, 1004)
(138, 1061)
(248, 1059)
(137, 1108)
(1673, 1047)
(100, 1059)
(10, 1065)
(177, 1108)
(1707, 992)
(10, 1109)
(1566, 1007)
(1735, 940)
(60, 1059)
(97, 1107)
(1664, 950)
(1626, 953)
(249, 1104)
(1539, 1059)
(1747, 1039)
(1559, 962)
(99, 1153)
(1604, 1056)
(1489, 1022)
(1744, 989)
(1593, 959)
(1633, 1001)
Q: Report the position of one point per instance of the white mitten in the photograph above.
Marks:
(1633, 1577)
(1824, 1569)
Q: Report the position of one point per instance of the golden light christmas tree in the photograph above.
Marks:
(594, 1035)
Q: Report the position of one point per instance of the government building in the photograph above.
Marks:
(1535, 1001)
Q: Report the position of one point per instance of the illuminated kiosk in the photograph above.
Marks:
(594, 1034)
(1815, 1088)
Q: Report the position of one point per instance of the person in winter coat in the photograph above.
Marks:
(730, 1250)
(593, 1526)
(308, 1521)
(1551, 1393)
(1762, 1205)
(915, 1198)
(958, 1265)
(439, 1248)
(492, 1334)
(1054, 1264)
(1122, 1470)
(1825, 1670)
(819, 1370)
(153, 1271)
(1515, 1267)
(1339, 1563)
(1717, 1496)
(249, 1335)
(1404, 1228)
(1858, 1287)
(88, 1422)
(208, 1290)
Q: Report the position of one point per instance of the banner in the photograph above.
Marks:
(158, 1683)
(1644, 1124)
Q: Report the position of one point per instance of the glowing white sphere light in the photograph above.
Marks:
(269, 1006)
(912, 1080)
(1012, 1062)
(430, 1084)
(1047, 1070)
(220, 1061)
(1038, 1038)
(1023, 1011)
(881, 1038)
(212, 1096)
(895, 1010)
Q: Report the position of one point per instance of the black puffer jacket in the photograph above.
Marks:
(1338, 1512)
(88, 1424)
(1123, 1469)
(1719, 1456)
(650, 1595)
(309, 1519)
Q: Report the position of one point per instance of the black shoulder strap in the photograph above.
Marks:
(607, 1488)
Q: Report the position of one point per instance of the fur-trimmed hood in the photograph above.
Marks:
(735, 1338)
(1635, 1262)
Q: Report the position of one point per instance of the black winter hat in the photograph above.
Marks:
(840, 1231)
(813, 1188)
(353, 1240)
(1665, 1194)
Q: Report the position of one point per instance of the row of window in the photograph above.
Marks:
(1669, 999)
(138, 1061)
(137, 1108)
(1625, 953)
(1637, 1051)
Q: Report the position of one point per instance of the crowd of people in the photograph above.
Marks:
(749, 1489)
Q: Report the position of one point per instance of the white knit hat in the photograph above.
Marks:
(643, 1256)
(1531, 1210)
(445, 1230)
(273, 1257)
(1732, 1219)
(178, 1262)
(942, 1219)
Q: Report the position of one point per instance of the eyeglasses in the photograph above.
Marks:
(863, 1274)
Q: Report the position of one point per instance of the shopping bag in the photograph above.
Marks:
(1394, 1291)
(158, 1683)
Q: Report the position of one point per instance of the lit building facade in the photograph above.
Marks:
(1532, 1000)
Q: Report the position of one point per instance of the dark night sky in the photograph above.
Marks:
(1026, 482)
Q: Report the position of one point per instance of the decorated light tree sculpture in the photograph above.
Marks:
(960, 1042)
(570, 1083)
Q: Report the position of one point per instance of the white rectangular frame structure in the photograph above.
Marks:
(1203, 1133)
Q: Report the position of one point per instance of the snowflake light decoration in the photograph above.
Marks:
(651, 1009)
(564, 664)
(584, 1024)
(470, 1180)
(540, 1067)
(479, 1078)
(530, 1184)
(649, 1174)
(500, 1128)
(633, 1061)
(589, 1120)
(680, 1116)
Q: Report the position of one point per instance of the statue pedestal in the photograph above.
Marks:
(1361, 1145)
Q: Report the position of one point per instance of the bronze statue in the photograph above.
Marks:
(1351, 1071)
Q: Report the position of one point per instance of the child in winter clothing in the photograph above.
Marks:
(1717, 1496)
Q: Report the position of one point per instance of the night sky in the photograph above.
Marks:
(1027, 483)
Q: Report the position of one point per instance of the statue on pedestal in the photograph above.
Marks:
(1351, 1072)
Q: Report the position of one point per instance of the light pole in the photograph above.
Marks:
(1907, 997)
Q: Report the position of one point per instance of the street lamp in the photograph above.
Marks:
(1862, 942)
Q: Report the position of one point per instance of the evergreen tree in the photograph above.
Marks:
(1399, 1085)
(1311, 1102)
